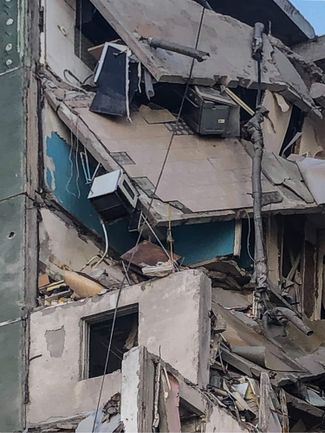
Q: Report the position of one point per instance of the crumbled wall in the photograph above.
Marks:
(62, 245)
(173, 320)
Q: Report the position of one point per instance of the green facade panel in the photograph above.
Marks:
(12, 257)
(11, 34)
(11, 370)
(12, 138)
(12, 212)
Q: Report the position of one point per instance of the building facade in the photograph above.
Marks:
(132, 296)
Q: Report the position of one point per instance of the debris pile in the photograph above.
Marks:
(265, 374)
(194, 157)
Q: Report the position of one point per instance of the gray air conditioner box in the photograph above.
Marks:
(113, 195)
(208, 112)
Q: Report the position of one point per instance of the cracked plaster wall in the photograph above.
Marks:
(173, 316)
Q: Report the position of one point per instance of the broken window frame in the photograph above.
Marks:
(87, 322)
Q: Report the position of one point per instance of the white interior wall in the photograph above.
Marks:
(222, 422)
(59, 39)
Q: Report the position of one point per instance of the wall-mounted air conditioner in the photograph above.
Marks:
(113, 195)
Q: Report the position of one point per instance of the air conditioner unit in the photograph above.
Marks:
(113, 195)
(208, 112)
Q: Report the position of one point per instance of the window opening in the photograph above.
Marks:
(125, 337)
(91, 30)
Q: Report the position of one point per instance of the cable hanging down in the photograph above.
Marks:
(145, 221)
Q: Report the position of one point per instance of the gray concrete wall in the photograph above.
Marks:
(17, 236)
(173, 318)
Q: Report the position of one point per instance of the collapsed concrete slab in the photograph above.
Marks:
(227, 41)
(204, 178)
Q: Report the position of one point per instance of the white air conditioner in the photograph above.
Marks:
(113, 195)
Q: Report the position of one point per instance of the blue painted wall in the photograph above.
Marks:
(201, 242)
(120, 239)
(195, 243)
(70, 192)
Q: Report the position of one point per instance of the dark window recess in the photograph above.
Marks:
(91, 29)
(125, 337)
(249, 96)
(323, 291)
(293, 241)
(309, 287)
(247, 244)
(292, 260)
(128, 189)
(295, 126)
(190, 420)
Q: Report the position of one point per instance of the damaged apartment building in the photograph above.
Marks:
(162, 217)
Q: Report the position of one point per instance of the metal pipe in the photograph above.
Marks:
(255, 133)
(200, 56)
(205, 4)
(292, 317)
(257, 46)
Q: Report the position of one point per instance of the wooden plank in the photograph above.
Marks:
(264, 411)
(284, 410)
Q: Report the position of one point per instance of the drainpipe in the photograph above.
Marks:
(254, 131)
(205, 4)
(255, 134)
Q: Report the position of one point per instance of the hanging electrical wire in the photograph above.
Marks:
(145, 220)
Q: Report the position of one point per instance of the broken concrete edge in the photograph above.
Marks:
(158, 68)
(295, 15)
(312, 50)
(297, 56)
(137, 396)
(159, 215)
(199, 400)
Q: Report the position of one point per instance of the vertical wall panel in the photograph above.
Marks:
(12, 212)
(11, 370)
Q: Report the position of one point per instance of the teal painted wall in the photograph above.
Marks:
(64, 178)
(68, 185)
(12, 216)
(198, 243)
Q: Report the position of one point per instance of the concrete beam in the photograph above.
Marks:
(287, 23)
(296, 17)
(312, 51)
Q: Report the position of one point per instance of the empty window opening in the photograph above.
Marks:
(91, 30)
(124, 338)
(293, 236)
(191, 421)
(296, 123)
(247, 250)
(323, 290)
(309, 278)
